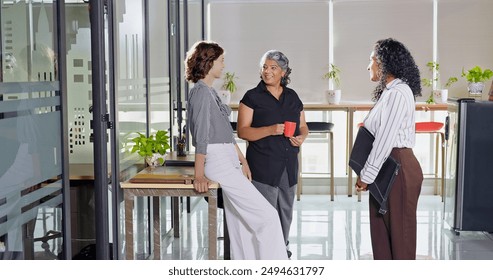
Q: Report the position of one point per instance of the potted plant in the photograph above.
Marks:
(439, 94)
(228, 87)
(476, 78)
(152, 148)
(442, 94)
(333, 75)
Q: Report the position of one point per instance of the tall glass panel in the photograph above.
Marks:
(159, 83)
(159, 80)
(195, 24)
(130, 76)
(79, 86)
(80, 136)
(175, 54)
(131, 102)
(30, 132)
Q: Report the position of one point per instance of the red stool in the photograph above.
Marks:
(435, 128)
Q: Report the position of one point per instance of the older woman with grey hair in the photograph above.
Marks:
(273, 157)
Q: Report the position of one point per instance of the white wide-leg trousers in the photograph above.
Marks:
(253, 223)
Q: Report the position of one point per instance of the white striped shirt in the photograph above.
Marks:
(392, 122)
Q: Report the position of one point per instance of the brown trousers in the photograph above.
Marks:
(393, 235)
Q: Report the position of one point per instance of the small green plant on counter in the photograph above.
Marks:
(333, 74)
(435, 67)
(229, 82)
(148, 146)
(477, 75)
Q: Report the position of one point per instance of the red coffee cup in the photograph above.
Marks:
(289, 128)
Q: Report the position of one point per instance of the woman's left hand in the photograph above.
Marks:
(297, 140)
(360, 186)
(246, 171)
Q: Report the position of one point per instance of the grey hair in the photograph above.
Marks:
(281, 60)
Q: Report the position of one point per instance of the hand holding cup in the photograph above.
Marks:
(289, 128)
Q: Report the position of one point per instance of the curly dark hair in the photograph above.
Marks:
(200, 59)
(396, 60)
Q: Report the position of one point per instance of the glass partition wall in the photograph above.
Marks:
(131, 102)
(144, 66)
(47, 123)
(34, 209)
(151, 39)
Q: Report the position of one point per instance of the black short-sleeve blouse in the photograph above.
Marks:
(269, 156)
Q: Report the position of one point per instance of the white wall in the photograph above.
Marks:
(246, 29)
(298, 29)
(464, 39)
(359, 24)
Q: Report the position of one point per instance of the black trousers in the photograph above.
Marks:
(393, 235)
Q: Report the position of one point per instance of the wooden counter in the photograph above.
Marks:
(165, 183)
(350, 108)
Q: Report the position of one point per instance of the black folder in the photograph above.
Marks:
(379, 189)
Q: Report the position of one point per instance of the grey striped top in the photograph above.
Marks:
(392, 122)
(208, 118)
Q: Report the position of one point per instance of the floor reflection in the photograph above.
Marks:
(339, 230)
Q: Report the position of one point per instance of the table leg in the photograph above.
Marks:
(156, 207)
(350, 136)
(444, 157)
(212, 224)
(175, 204)
(349, 149)
(227, 244)
(332, 185)
(129, 225)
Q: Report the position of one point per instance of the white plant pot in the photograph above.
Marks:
(475, 88)
(225, 96)
(440, 96)
(334, 96)
(153, 161)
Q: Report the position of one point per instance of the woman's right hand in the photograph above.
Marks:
(277, 129)
(201, 184)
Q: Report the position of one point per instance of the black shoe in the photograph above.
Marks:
(287, 250)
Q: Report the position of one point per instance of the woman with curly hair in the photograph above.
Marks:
(392, 122)
(253, 225)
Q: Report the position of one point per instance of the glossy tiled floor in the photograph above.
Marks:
(339, 230)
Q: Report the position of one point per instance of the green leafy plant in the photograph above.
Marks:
(432, 66)
(435, 67)
(477, 75)
(148, 146)
(229, 82)
(333, 74)
(450, 81)
(430, 99)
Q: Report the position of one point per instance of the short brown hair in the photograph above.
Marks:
(200, 59)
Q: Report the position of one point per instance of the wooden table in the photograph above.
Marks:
(157, 188)
(350, 108)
